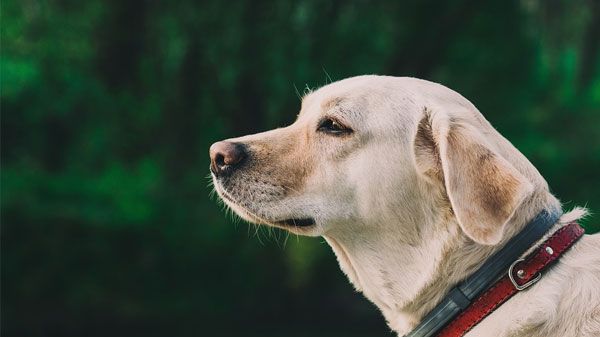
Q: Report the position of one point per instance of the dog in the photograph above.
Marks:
(413, 189)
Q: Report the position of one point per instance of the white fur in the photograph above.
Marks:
(391, 222)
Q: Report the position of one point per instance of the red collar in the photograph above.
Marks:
(521, 274)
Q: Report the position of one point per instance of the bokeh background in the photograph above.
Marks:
(109, 107)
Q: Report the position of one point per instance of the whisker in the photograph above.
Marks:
(328, 78)
(297, 92)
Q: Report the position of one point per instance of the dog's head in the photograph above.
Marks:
(371, 151)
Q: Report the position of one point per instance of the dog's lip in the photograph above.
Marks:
(297, 222)
(291, 222)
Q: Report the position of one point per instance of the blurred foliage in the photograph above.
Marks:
(109, 107)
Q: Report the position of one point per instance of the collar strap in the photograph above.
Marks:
(460, 297)
(521, 274)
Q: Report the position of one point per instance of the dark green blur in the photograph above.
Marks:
(109, 107)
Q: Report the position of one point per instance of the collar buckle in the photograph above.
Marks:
(514, 282)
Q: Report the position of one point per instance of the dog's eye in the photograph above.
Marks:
(333, 127)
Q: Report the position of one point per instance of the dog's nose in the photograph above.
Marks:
(225, 156)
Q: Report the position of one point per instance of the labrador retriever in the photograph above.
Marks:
(413, 189)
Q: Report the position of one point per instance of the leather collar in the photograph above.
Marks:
(466, 300)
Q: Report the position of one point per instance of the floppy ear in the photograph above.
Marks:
(483, 188)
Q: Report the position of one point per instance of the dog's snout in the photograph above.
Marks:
(225, 156)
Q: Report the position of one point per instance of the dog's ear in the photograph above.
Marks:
(483, 188)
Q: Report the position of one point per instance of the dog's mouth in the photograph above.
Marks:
(302, 222)
(289, 224)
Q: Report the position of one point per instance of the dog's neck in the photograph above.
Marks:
(407, 277)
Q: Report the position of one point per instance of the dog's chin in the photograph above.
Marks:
(297, 225)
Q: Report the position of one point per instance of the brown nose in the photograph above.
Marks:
(225, 156)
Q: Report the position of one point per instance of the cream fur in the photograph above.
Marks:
(413, 201)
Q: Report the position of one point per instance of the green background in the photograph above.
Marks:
(109, 107)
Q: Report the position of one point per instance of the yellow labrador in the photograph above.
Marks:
(413, 189)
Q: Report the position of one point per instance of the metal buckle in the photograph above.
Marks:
(514, 282)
